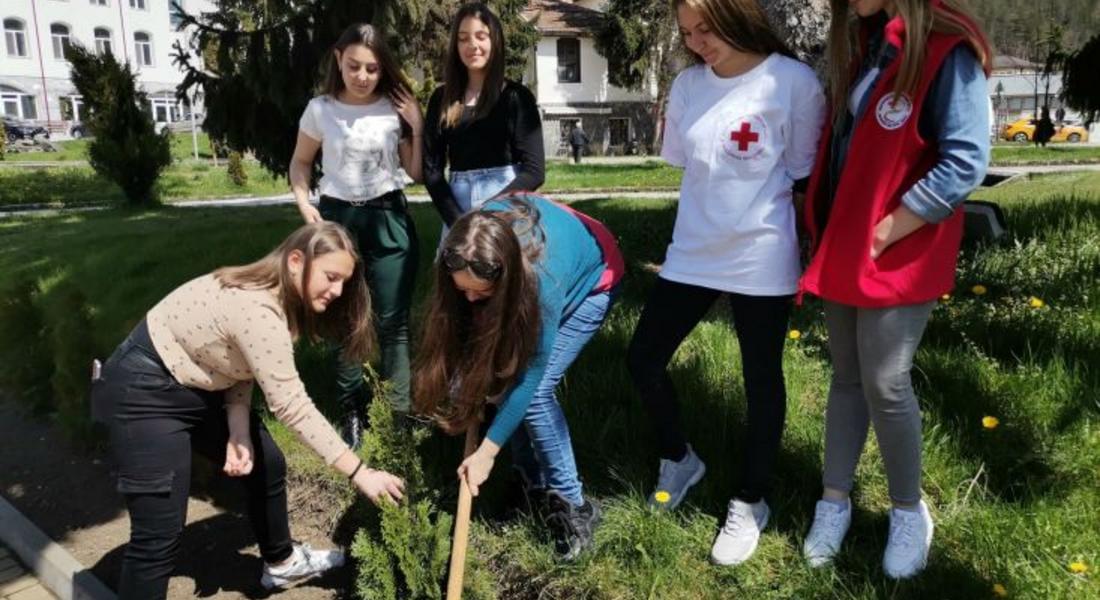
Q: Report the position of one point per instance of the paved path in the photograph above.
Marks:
(18, 584)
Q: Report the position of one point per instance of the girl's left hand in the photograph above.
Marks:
(238, 457)
(894, 227)
(475, 469)
(409, 108)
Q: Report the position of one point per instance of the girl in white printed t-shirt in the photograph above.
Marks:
(367, 125)
(743, 123)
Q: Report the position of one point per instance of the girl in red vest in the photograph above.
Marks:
(907, 141)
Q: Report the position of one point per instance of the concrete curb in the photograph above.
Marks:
(51, 564)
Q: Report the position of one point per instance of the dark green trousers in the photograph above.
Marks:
(387, 242)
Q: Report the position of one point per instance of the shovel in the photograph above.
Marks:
(462, 525)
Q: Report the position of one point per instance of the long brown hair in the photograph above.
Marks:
(740, 23)
(346, 321)
(921, 17)
(391, 81)
(455, 75)
(470, 352)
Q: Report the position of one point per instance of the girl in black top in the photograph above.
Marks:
(485, 127)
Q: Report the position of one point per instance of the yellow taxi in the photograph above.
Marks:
(1022, 130)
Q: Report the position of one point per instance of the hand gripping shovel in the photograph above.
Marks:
(462, 525)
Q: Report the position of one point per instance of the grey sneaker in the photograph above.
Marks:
(737, 540)
(831, 523)
(909, 541)
(572, 527)
(305, 562)
(675, 478)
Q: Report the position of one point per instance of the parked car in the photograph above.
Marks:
(22, 130)
(1022, 130)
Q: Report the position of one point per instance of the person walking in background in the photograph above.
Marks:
(907, 141)
(485, 128)
(367, 125)
(578, 140)
(743, 122)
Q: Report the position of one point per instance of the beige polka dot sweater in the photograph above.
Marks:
(216, 338)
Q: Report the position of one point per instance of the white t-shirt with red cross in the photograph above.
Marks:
(742, 142)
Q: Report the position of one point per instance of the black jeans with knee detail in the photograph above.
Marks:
(155, 422)
(671, 312)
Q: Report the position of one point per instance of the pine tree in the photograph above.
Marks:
(1081, 87)
(127, 149)
(257, 62)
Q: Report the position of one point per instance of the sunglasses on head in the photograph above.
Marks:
(482, 269)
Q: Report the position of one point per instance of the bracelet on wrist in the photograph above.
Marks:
(355, 471)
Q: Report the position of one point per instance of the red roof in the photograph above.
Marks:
(555, 17)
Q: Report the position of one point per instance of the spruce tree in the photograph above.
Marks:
(126, 148)
(1081, 87)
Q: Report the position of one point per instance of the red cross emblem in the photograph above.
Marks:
(744, 136)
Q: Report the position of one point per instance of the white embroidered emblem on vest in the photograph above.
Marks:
(745, 137)
(893, 111)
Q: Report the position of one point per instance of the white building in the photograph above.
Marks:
(35, 79)
(570, 81)
(1017, 87)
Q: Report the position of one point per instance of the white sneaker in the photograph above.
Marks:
(909, 541)
(830, 525)
(305, 562)
(738, 538)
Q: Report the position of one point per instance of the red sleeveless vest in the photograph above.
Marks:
(886, 156)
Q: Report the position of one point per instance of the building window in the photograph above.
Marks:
(102, 40)
(138, 4)
(14, 103)
(99, 3)
(165, 109)
(15, 37)
(143, 49)
(72, 108)
(569, 60)
(619, 131)
(62, 41)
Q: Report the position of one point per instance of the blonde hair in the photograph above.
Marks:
(347, 320)
(922, 18)
(740, 23)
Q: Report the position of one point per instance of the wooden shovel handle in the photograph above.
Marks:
(462, 525)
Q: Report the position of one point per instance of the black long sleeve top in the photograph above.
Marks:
(511, 134)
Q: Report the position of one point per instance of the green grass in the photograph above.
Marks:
(181, 144)
(1013, 505)
(1030, 154)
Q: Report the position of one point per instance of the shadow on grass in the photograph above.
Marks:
(60, 187)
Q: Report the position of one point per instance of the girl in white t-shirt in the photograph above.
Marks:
(743, 123)
(367, 125)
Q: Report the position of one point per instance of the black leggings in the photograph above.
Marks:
(671, 312)
(155, 423)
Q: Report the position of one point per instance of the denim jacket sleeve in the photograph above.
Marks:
(956, 116)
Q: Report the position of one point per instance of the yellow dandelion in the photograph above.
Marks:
(999, 590)
(990, 422)
(945, 298)
(794, 334)
(662, 497)
(1035, 302)
(1078, 567)
(979, 290)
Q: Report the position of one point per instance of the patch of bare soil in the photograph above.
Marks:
(70, 494)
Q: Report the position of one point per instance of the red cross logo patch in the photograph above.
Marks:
(744, 137)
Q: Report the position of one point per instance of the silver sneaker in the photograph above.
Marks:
(831, 523)
(910, 539)
(737, 540)
(305, 562)
(675, 478)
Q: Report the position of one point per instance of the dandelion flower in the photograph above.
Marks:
(979, 290)
(794, 334)
(945, 298)
(999, 590)
(990, 422)
(1035, 302)
(1078, 567)
(662, 497)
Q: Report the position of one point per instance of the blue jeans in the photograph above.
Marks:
(473, 188)
(541, 447)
